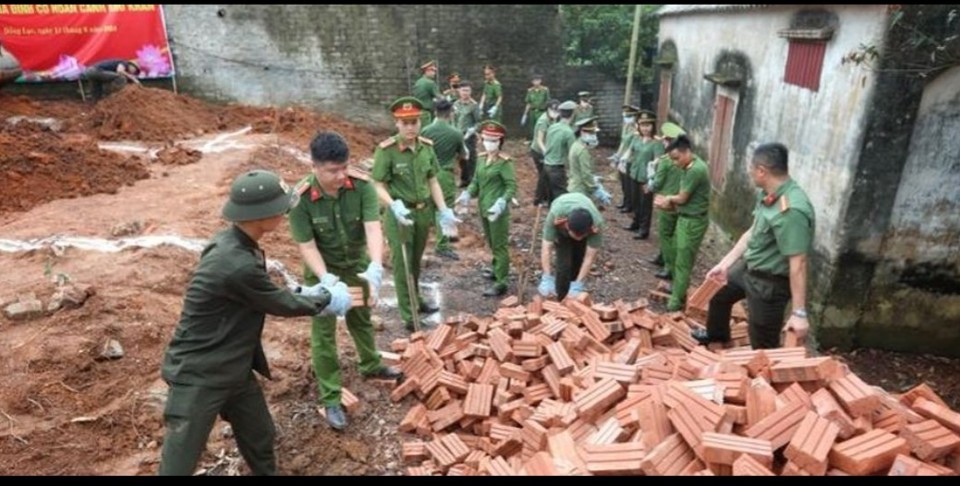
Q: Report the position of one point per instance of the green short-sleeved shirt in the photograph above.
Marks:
(581, 112)
(426, 90)
(543, 123)
(580, 171)
(404, 169)
(335, 222)
(537, 98)
(447, 142)
(643, 152)
(560, 138)
(466, 115)
(667, 180)
(783, 229)
(492, 91)
(696, 181)
(561, 208)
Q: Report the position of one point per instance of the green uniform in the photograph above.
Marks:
(582, 112)
(642, 153)
(537, 98)
(560, 138)
(691, 226)
(627, 135)
(780, 230)
(494, 180)
(569, 252)
(667, 183)
(492, 91)
(466, 115)
(448, 145)
(426, 90)
(215, 348)
(406, 171)
(542, 193)
(335, 223)
(580, 177)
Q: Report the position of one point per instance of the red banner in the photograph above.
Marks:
(57, 42)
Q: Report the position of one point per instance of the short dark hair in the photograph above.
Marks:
(328, 147)
(566, 113)
(465, 84)
(682, 142)
(553, 104)
(580, 221)
(443, 107)
(773, 156)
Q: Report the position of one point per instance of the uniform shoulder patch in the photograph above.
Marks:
(388, 142)
(503, 156)
(302, 186)
(358, 173)
(425, 140)
(784, 203)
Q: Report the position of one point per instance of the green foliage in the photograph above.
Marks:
(599, 35)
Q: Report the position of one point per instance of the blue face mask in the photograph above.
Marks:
(589, 139)
(628, 120)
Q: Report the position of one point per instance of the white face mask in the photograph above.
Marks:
(553, 114)
(589, 139)
(491, 145)
(628, 120)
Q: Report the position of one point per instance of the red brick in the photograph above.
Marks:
(453, 382)
(419, 471)
(810, 369)
(490, 373)
(500, 343)
(779, 427)
(414, 452)
(727, 448)
(405, 388)
(669, 457)
(479, 400)
(828, 408)
(929, 440)
(746, 465)
(614, 459)
(623, 373)
(922, 390)
(590, 320)
(509, 446)
(412, 418)
(655, 422)
(905, 465)
(701, 358)
(446, 416)
(780, 355)
(564, 450)
(610, 432)
(599, 397)
(499, 432)
(496, 466)
(811, 444)
(869, 453)
(561, 358)
(437, 399)
(439, 337)
(930, 409)
(535, 364)
(700, 298)
(791, 469)
(890, 420)
(857, 398)
(541, 464)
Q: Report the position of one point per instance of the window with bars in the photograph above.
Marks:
(805, 63)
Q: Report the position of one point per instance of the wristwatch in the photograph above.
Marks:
(801, 313)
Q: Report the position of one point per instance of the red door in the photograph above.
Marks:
(724, 108)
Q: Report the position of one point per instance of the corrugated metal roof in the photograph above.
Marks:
(674, 10)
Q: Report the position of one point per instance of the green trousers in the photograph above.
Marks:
(448, 184)
(498, 238)
(690, 233)
(415, 239)
(323, 341)
(667, 227)
(533, 116)
(190, 413)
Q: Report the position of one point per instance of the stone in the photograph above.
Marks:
(23, 310)
(111, 350)
(70, 296)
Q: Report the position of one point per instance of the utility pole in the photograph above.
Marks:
(633, 54)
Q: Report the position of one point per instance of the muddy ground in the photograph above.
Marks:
(72, 170)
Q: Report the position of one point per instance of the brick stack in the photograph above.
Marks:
(574, 388)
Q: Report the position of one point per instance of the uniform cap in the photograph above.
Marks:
(258, 194)
(493, 129)
(406, 107)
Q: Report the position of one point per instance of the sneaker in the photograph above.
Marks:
(488, 273)
(336, 417)
(664, 275)
(427, 308)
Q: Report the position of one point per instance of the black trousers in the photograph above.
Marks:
(556, 180)
(626, 187)
(767, 297)
(570, 253)
(642, 207)
(467, 167)
(543, 185)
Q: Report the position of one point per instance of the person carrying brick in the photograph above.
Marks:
(768, 265)
(573, 230)
(336, 226)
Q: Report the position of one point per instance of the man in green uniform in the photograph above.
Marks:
(666, 182)
(448, 145)
(426, 90)
(216, 346)
(692, 204)
(494, 185)
(584, 107)
(453, 92)
(574, 228)
(405, 169)
(581, 178)
(773, 267)
(466, 116)
(560, 138)
(538, 147)
(618, 160)
(536, 100)
(336, 225)
(491, 102)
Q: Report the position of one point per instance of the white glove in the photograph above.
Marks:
(602, 195)
(401, 212)
(523, 120)
(374, 277)
(470, 132)
(492, 112)
(448, 222)
(496, 210)
(464, 198)
(340, 301)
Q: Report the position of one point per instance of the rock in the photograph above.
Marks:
(370, 396)
(377, 323)
(226, 431)
(127, 229)
(70, 297)
(24, 309)
(111, 350)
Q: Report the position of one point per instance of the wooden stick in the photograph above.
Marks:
(533, 250)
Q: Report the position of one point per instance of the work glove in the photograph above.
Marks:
(329, 280)
(492, 112)
(548, 285)
(340, 301)
(464, 198)
(401, 212)
(622, 166)
(576, 288)
(470, 132)
(374, 277)
(317, 292)
(496, 210)
(523, 120)
(448, 222)
(600, 194)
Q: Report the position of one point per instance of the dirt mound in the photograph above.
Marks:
(38, 165)
(177, 155)
(19, 105)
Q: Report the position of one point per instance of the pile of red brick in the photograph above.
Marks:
(574, 388)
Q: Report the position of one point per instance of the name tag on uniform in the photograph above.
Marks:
(321, 220)
(402, 165)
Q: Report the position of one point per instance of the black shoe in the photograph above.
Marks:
(701, 336)
(495, 290)
(621, 206)
(663, 274)
(386, 373)
(641, 236)
(464, 185)
(658, 261)
(336, 417)
(448, 254)
(488, 274)
(428, 308)
(630, 227)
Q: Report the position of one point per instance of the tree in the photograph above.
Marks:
(599, 35)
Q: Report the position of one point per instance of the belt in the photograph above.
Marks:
(698, 215)
(768, 276)
(553, 166)
(415, 206)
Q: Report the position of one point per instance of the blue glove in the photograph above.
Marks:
(318, 292)
(602, 195)
(464, 198)
(496, 210)
(548, 285)
(492, 112)
(523, 120)
(329, 280)
(340, 301)
(401, 212)
(470, 132)
(448, 222)
(576, 288)
(374, 277)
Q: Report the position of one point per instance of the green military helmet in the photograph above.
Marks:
(258, 194)
(567, 105)
(671, 130)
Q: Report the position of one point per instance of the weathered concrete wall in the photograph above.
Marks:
(355, 59)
